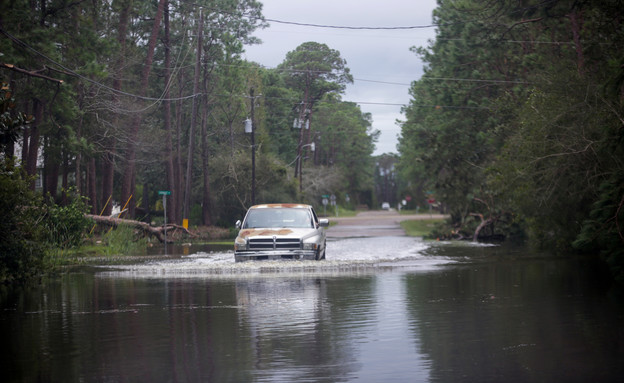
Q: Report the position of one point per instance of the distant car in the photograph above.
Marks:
(280, 231)
(385, 206)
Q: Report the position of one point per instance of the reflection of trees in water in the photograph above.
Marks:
(512, 321)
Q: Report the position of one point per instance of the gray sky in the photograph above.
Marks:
(375, 57)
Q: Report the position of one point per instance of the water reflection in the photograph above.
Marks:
(399, 311)
(517, 320)
(288, 322)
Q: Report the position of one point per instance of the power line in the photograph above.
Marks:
(353, 27)
(326, 26)
(182, 98)
(78, 75)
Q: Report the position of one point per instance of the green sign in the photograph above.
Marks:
(164, 192)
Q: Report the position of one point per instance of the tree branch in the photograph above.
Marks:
(157, 232)
(30, 73)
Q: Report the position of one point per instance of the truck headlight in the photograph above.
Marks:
(240, 244)
(310, 246)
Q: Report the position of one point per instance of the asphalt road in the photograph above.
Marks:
(377, 223)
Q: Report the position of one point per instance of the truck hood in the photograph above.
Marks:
(283, 233)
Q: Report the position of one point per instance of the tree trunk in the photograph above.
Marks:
(91, 185)
(206, 206)
(191, 145)
(25, 141)
(178, 174)
(129, 177)
(65, 183)
(51, 172)
(484, 223)
(78, 162)
(146, 206)
(169, 152)
(108, 159)
(33, 144)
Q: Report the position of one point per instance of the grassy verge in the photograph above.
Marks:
(330, 212)
(421, 227)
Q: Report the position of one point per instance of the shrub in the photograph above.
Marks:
(65, 225)
(22, 242)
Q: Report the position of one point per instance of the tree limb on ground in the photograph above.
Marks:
(154, 231)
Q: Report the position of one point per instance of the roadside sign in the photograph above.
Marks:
(164, 192)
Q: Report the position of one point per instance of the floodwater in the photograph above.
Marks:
(383, 309)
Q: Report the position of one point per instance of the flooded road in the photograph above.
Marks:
(380, 308)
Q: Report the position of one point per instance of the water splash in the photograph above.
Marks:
(352, 255)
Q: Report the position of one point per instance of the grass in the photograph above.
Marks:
(330, 212)
(421, 227)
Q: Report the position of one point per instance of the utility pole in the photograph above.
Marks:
(301, 126)
(253, 148)
(250, 127)
(191, 148)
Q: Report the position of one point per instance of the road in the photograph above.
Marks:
(377, 223)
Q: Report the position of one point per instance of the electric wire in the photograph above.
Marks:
(156, 100)
(325, 26)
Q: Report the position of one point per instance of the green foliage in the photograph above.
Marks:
(35, 234)
(315, 70)
(122, 240)
(345, 139)
(99, 48)
(10, 124)
(421, 227)
(603, 231)
(66, 225)
(505, 115)
(232, 184)
(22, 243)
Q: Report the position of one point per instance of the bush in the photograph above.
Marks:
(22, 242)
(65, 225)
(122, 241)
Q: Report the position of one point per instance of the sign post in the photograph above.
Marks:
(325, 202)
(164, 194)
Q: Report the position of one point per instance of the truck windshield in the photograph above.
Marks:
(275, 218)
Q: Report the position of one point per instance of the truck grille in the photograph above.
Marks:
(274, 244)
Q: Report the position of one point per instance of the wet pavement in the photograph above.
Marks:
(378, 223)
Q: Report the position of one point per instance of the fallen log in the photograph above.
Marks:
(154, 231)
(484, 223)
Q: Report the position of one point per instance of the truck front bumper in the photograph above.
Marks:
(241, 256)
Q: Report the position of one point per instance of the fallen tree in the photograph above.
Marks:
(154, 231)
(484, 222)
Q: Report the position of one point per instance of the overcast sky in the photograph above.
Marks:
(375, 57)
